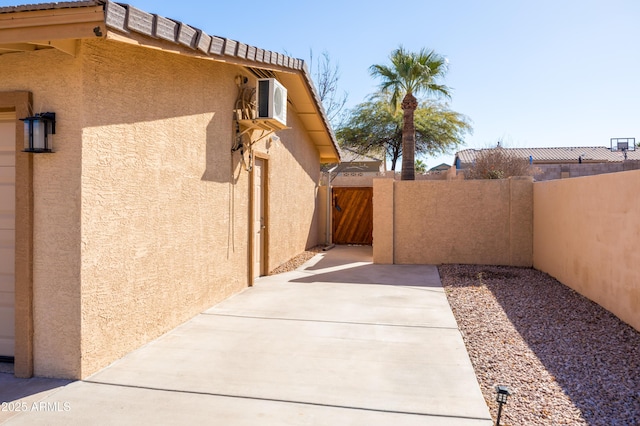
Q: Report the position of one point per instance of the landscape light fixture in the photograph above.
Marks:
(38, 131)
(501, 398)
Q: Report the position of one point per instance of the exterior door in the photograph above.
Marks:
(259, 219)
(353, 215)
(7, 232)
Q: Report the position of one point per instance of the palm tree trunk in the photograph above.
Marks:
(409, 105)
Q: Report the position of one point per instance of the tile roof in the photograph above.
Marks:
(440, 167)
(128, 20)
(598, 154)
(347, 155)
(52, 5)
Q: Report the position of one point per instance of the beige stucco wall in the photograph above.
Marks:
(323, 212)
(55, 81)
(383, 219)
(164, 204)
(142, 215)
(294, 209)
(435, 222)
(355, 179)
(586, 236)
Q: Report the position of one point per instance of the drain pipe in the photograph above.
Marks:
(327, 243)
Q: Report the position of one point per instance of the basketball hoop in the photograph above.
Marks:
(623, 145)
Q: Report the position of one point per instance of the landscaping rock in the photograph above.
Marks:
(566, 359)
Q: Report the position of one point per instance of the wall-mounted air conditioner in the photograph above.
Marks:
(272, 100)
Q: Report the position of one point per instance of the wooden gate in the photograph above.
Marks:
(352, 215)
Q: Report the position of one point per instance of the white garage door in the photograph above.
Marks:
(7, 232)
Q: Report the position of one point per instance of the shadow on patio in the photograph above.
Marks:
(353, 265)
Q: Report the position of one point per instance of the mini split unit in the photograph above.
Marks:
(272, 100)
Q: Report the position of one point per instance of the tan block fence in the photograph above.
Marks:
(458, 221)
(582, 231)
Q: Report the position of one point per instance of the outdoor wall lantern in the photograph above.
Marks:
(38, 131)
(501, 398)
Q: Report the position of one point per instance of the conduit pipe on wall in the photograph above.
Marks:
(327, 242)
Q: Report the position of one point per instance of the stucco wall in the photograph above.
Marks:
(142, 214)
(563, 171)
(55, 81)
(164, 204)
(357, 179)
(383, 220)
(586, 236)
(435, 222)
(294, 209)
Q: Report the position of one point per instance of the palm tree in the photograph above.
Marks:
(411, 73)
(421, 166)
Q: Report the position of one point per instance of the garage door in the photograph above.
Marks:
(7, 232)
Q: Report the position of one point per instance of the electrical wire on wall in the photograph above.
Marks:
(244, 109)
(247, 124)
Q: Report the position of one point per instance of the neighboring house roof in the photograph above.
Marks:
(591, 154)
(349, 155)
(70, 21)
(440, 168)
(354, 162)
(351, 161)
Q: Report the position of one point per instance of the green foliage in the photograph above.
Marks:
(375, 128)
(411, 73)
(421, 166)
(498, 163)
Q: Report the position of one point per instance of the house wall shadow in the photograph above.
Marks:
(341, 256)
(394, 275)
(221, 165)
(13, 388)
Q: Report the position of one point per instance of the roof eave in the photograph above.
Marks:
(29, 25)
(126, 23)
(59, 25)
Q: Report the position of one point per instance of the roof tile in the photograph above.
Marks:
(187, 36)
(139, 21)
(217, 46)
(116, 16)
(251, 53)
(204, 41)
(242, 50)
(557, 154)
(230, 47)
(166, 29)
(54, 5)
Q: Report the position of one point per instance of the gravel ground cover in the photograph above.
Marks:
(567, 360)
(296, 261)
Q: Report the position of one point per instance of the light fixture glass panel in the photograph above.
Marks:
(39, 134)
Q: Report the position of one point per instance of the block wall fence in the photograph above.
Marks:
(583, 231)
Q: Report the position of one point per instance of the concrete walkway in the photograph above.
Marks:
(339, 341)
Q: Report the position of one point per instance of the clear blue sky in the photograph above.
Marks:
(535, 73)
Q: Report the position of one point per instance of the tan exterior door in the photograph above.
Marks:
(7, 232)
(259, 219)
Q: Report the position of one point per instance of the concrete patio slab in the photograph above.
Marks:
(338, 341)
